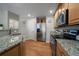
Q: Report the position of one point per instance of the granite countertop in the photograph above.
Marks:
(5, 42)
(71, 46)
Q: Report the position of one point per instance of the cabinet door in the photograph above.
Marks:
(73, 13)
(21, 49)
(12, 52)
(60, 51)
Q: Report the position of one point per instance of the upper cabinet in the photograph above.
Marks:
(73, 13)
(56, 15)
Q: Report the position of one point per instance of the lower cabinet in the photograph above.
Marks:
(60, 51)
(13, 51)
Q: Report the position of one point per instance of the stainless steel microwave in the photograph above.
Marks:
(62, 20)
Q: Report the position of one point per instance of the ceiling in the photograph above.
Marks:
(35, 9)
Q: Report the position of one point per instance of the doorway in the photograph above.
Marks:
(41, 28)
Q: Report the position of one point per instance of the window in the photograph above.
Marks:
(14, 24)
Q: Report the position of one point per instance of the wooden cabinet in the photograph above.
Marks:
(41, 19)
(14, 51)
(73, 13)
(21, 49)
(56, 17)
(60, 51)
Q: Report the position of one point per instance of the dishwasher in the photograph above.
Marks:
(53, 43)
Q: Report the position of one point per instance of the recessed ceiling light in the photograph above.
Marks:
(59, 10)
(29, 15)
(50, 11)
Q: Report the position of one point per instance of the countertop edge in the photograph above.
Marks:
(5, 50)
(67, 48)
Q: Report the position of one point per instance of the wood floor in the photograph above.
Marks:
(36, 48)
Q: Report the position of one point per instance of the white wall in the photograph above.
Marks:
(31, 28)
(43, 28)
(22, 26)
(1, 21)
(4, 17)
(28, 28)
(49, 27)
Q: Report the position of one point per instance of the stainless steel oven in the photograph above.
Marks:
(53, 44)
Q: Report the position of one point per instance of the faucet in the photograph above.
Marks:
(10, 31)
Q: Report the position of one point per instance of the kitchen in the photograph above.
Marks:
(56, 26)
(67, 32)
